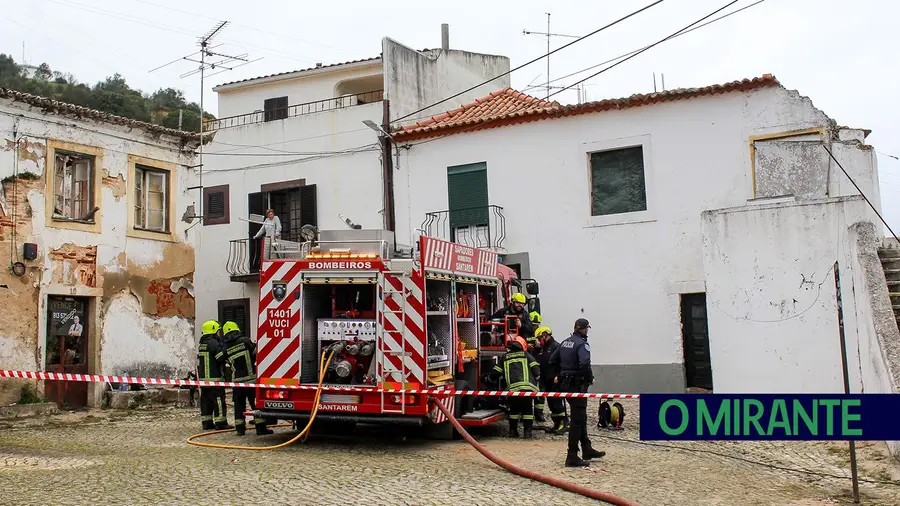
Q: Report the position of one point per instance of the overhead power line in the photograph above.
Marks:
(522, 106)
(451, 97)
(647, 47)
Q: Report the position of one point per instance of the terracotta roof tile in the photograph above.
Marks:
(509, 107)
(66, 109)
(374, 58)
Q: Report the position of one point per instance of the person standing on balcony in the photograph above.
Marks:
(271, 228)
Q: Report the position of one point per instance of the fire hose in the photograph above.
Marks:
(323, 367)
(556, 482)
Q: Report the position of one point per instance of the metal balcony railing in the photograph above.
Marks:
(329, 104)
(478, 227)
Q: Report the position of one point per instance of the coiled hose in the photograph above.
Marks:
(556, 482)
(323, 367)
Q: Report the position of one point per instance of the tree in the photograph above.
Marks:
(43, 72)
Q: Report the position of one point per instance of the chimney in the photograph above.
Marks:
(445, 36)
(318, 65)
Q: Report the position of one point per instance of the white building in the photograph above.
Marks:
(296, 142)
(91, 218)
(695, 228)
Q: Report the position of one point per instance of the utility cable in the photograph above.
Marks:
(646, 47)
(743, 459)
(451, 97)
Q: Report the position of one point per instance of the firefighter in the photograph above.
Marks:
(210, 362)
(573, 361)
(518, 371)
(534, 347)
(241, 355)
(517, 307)
(546, 346)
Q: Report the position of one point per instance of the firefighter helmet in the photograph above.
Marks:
(542, 330)
(230, 327)
(520, 341)
(535, 317)
(518, 297)
(210, 327)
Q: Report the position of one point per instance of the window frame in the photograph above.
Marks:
(647, 215)
(225, 219)
(147, 165)
(278, 113)
(142, 174)
(58, 147)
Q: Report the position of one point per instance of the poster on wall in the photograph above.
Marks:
(66, 323)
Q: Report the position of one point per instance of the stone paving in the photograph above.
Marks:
(140, 457)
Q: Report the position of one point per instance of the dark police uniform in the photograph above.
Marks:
(210, 362)
(573, 361)
(241, 354)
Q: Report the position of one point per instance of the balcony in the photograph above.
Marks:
(330, 104)
(479, 227)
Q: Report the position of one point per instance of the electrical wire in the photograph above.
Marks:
(645, 47)
(451, 97)
(742, 459)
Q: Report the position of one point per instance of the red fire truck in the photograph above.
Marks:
(396, 320)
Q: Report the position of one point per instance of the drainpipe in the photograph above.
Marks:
(387, 169)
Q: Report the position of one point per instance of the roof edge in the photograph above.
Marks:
(293, 74)
(414, 132)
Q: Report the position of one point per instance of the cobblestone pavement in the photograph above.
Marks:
(140, 457)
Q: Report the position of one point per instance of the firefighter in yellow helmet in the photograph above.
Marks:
(547, 345)
(534, 347)
(516, 307)
(241, 355)
(210, 363)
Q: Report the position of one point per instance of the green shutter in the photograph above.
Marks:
(468, 195)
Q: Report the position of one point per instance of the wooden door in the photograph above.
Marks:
(67, 348)
(695, 336)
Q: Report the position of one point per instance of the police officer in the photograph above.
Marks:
(210, 362)
(241, 355)
(573, 361)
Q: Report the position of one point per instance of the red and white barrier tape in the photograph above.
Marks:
(96, 378)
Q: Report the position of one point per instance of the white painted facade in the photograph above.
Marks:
(130, 271)
(312, 145)
(626, 272)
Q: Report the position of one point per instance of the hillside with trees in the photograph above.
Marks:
(112, 95)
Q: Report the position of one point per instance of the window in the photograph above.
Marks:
(216, 205)
(237, 311)
(151, 199)
(73, 187)
(276, 108)
(617, 181)
(467, 195)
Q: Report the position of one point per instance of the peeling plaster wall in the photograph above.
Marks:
(771, 302)
(414, 79)
(154, 329)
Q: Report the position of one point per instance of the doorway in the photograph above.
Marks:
(294, 205)
(67, 348)
(695, 341)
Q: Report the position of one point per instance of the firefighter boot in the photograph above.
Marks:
(513, 428)
(208, 425)
(240, 429)
(527, 426)
(262, 430)
(224, 426)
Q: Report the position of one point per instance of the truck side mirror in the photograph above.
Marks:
(534, 304)
(533, 288)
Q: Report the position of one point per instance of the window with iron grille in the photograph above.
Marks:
(618, 183)
(73, 187)
(276, 108)
(151, 199)
(216, 203)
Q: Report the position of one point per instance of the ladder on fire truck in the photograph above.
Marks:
(398, 335)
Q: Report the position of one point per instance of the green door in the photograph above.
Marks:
(468, 195)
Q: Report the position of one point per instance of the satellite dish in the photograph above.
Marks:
(309, 233)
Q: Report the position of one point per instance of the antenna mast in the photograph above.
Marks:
(548, 34)
(226, 62)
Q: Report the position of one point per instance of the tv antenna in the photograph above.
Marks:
(549, 35)
(209, 60)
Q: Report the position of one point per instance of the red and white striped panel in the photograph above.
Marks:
(438, 416)
(279, 357)
(414, 357)
(438, 254)
(487, 263)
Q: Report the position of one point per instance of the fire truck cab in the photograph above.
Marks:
(401, 320)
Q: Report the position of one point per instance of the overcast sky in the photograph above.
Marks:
(844, 56)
